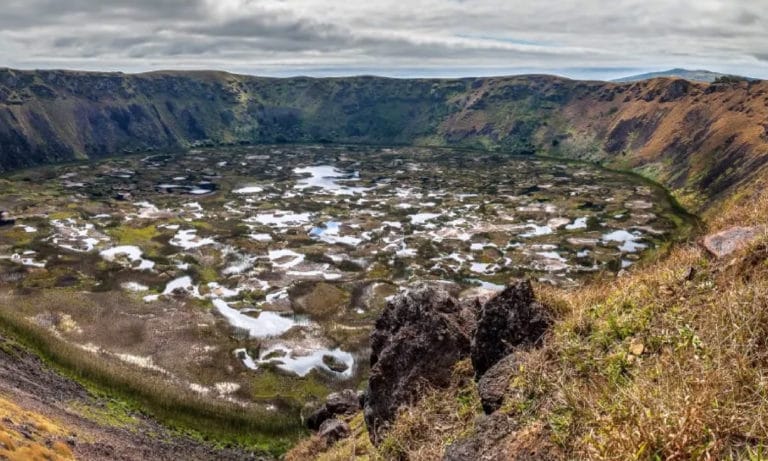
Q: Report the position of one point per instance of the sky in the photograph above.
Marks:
(587, 39)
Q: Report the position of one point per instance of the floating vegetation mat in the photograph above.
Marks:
(254, 274)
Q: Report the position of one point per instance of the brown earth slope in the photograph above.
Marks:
(692, 137)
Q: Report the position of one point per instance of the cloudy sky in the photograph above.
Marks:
(581, 39)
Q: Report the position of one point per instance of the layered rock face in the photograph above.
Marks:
(424, 332)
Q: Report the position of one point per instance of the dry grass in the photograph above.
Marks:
(649, 366)
(745, 207)
(357, 447)
(657, 367)
(420, 433)
(41, 439)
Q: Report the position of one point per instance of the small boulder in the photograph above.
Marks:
(421, 334)
(495, 382)
(333, 430)
(724, 243)
(511, 319)
(346, 402)
(317, 417)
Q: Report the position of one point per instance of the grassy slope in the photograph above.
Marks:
(177, 408)
(646, 366)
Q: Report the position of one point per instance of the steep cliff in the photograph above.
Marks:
(698, 139)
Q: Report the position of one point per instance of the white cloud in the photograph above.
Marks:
(418, 37)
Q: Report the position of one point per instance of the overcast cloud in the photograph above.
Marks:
(582, 39)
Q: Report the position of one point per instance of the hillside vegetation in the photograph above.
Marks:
(33, 437)
(667, 362)
(698, 139)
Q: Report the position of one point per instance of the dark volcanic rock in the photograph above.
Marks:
(345, 402)
(422, 333)
(511, 319)
(317, 417)
(333, 430)
(494, 383)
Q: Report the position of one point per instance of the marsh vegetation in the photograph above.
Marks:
(248, 278)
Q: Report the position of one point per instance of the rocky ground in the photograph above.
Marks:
(423, 334)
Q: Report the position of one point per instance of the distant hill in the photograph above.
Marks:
(664, 128)
(691, 75)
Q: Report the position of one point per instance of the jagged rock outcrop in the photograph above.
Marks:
(422, 333)
(494, 384)
(511, 319)
(345, 402)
